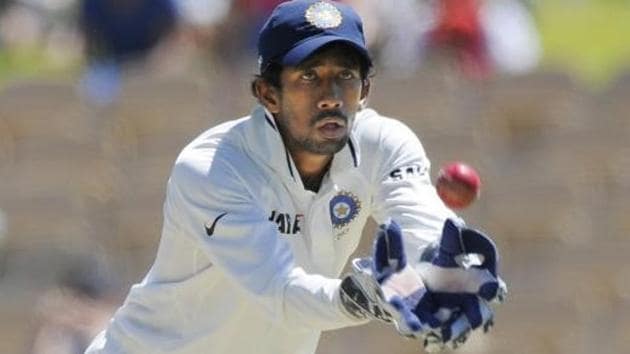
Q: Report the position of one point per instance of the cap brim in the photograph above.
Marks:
(303, 50)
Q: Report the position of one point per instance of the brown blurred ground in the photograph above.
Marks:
(553, 159)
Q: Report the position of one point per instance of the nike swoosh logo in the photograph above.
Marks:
(210, 229)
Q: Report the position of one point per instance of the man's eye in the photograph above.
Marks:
(347, 75)
(308, 76)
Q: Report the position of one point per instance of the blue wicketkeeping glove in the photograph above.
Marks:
(452, 303)
(462, 277)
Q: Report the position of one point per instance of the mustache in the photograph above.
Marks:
(328, 114)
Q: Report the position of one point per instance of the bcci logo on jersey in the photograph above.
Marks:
(344, 207)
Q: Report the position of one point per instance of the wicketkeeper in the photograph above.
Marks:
(262, 213)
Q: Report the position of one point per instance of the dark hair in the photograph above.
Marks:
(271, 74)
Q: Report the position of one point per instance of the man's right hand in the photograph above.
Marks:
(386, 288)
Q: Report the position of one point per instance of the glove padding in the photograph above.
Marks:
(462, 278)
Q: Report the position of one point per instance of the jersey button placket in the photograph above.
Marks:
(322, 247)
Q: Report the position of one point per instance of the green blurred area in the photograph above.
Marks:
(32, 62)
(589, 38)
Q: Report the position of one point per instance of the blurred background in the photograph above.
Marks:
(97, 97)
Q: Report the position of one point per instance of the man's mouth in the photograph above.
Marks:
(332, 128)
(334, 120)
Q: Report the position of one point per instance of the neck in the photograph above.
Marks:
(311, 167)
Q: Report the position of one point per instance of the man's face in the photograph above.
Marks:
(318, 100)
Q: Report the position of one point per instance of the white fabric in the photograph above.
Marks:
(203, 12)
(250, 288)
(454, 280)
(513, 39)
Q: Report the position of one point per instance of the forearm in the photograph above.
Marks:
(415, 206)
(313, 301)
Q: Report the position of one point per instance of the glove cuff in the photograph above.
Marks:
(350, 298)
(359, 300)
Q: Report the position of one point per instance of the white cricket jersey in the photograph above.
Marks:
(249, 260)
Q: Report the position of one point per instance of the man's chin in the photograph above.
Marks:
(319, 146)
(330, 146)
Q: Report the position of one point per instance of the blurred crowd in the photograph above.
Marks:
(84, 159)
(111, 39)
(476, 38)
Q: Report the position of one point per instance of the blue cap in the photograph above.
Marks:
(297, 28)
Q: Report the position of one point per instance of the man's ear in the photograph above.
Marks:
(268, 95)
(365, 89)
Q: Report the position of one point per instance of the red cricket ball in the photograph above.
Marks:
(458, 185)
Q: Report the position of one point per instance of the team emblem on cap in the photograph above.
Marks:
(323, 15)
(344, 207)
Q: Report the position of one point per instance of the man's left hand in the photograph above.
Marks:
(461, 276)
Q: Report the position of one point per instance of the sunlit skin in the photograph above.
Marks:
(315, 107)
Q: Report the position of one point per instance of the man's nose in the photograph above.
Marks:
(331, 98)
